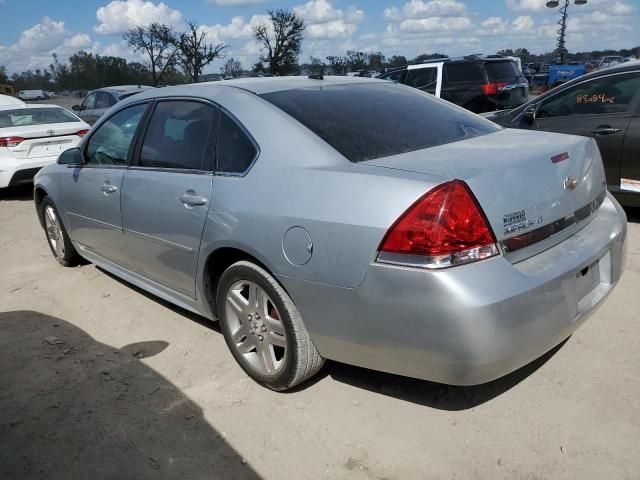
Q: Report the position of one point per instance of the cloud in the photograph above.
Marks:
(121, 15)
(78, 41)
(235, 3)
(325, 21)
(42, 35)
(526, 5)
(435, 24)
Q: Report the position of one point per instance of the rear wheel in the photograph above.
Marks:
(263, 328)
(57, 237)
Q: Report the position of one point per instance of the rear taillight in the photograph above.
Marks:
(445, 227)
(82, 133)
(493, 88)
(10, 141)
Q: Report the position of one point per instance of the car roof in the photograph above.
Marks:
(259, 85)
(8, 100)
(122, 88)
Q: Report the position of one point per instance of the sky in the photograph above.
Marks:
(32, 30)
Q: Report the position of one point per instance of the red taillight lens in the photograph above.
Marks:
(493, 88)
(10, 141)
(446, 225)
(82, 133)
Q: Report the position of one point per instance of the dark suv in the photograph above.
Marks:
(477, 83)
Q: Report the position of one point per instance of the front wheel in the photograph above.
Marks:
(263, 328)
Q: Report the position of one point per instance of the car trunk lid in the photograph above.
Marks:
(532, 186)
(42, 140)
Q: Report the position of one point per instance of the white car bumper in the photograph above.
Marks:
(17, 171)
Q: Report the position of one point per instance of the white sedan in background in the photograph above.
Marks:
(32, 136)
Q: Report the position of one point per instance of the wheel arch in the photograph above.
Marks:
(39, 193)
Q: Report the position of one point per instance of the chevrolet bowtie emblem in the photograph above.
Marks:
(570, 183)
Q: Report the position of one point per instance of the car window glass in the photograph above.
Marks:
(89, 102)
(102, 100)
(112, 100)
(502, 71)
(602, 95)
(393, 76)
(35, 116)
(110, 143)
(423, 79)
(378, 119)
(180, 135)
(235, 150)
(464, 72)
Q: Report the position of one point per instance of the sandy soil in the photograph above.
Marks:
(100, 380)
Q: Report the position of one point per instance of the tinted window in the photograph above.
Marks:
(110, 143)
(393, 76)
(367, 121)
(599, 96)
(34, 116)
(89, 102)
(502, 71)
(425, 79)
(179, 135)
(102, 100)
(112, 100)
(235, 149)
(463, 72)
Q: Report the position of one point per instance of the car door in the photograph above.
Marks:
(87, 107)
(92, 191)
(630, 165)
(427, 78)
(166, 194)
(601, 108)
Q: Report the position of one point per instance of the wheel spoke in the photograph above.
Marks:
(239, 334)
(274, 325)
(277, 340)
(266, 357)
(59, 247)
(248, 345)
(51, 215)
(237, 303)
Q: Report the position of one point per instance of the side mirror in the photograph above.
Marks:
(529, 114)
(76, 108)
(73, 156)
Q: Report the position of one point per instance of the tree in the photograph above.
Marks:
(159, 43)
(282, 39)
(427, 56)
(376, 61)
(523, 53)
(194, 53)
(357, 60)
(233, 68)
(507, 52)
(397, 61)
(3, 74)
(338, 64)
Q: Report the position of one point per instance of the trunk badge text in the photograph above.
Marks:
(51, 133)
(570, 183)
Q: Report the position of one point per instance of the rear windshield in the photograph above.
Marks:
(367, 121)
(500, 71)
(34, 116)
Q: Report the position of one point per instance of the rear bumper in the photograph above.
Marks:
(469, 324)
(20, 171)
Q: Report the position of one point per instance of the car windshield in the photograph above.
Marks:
(502, 71)
(34, 116)
(368, 121)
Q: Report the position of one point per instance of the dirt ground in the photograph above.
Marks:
(100, 380)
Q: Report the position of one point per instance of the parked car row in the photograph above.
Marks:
(405, 234)
(99, 101)
(477, 83)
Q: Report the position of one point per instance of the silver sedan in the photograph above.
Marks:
(342, 218)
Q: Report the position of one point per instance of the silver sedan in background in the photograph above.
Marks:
(342, 218)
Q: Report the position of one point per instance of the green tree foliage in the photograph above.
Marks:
(282, 40)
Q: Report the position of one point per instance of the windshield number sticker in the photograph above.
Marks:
(596, 98)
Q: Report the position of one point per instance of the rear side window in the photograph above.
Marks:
(502, 71)
(236, 151)
(463, 72)
(180, 136)
(34, 116)
(102, 100)
(424, 79)
(374, 120)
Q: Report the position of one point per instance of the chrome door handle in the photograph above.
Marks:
(192, 200)
(604, 131)
(108, 188)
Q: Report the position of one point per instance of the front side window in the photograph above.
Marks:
(378, 119)
(236, 152)
(602, 95)
(180, 135)
(89, 102)
(393, 76)
(424, 79)
(109, 145)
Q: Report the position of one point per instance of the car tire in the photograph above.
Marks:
(263, 328)
(57, 237)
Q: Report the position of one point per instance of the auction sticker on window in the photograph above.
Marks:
(630, 185)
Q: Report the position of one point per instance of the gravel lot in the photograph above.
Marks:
(100, 380)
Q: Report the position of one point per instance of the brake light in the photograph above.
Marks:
(443, 228)
(82, 133)
(10, 141)
(493, 88)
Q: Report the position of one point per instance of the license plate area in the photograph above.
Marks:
(592, 283)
